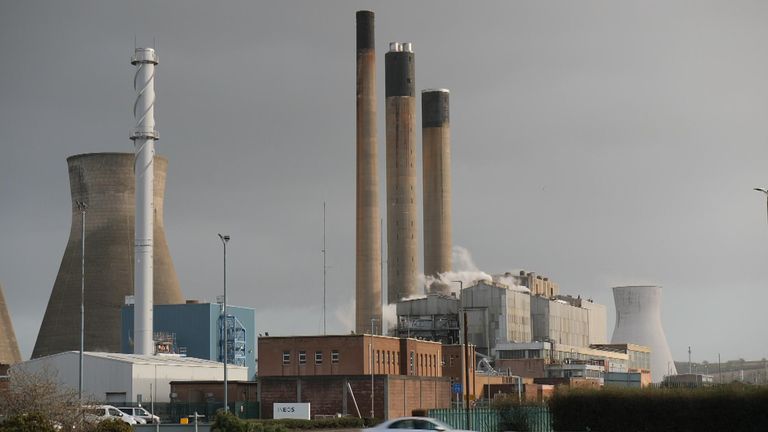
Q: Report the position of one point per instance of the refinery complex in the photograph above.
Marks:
(118, 325)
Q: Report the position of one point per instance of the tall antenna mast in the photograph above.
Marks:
(325, 268)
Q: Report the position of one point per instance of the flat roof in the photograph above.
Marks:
(160, 360)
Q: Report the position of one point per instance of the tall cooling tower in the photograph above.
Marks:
(105, 182)
(9, 347)
(638, 321)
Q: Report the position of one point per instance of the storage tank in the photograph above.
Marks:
(105, 182)
(638, 321)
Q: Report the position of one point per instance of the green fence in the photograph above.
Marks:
(524, 418)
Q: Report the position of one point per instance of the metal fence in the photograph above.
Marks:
(524, 418)
(173, 412)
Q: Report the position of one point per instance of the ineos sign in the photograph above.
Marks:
(291, 410)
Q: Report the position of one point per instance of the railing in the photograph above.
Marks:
(528, 418)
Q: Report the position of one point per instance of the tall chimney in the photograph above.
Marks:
(368, 239)
(144, 136)
(401, 171)
(436, 154)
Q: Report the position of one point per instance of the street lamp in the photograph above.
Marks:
(82, 207)
(224, 241)
(466, 354)
(373, 320)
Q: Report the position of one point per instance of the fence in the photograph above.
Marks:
(173, 412)
(524, 418)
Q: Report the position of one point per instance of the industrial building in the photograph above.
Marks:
(197, 329)
(125, 378)
(105, 182)
(9, 347)
(501, 312)
(337, 373)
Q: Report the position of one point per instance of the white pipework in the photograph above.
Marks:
(144, 136)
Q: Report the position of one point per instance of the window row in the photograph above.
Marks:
(303, 357)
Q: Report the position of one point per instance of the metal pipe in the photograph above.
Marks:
(368, 272)
(144, 136)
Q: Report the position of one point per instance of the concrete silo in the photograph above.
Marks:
(638, 321)
(9, 347)
(105, 182)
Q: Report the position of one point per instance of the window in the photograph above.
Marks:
(286, 357)
(335, 356)
(302, 357)
(413, 355)
(378, 356)
(318, 357)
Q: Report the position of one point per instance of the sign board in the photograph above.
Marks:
(456, 387)
(291, 411)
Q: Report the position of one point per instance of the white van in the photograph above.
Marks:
(140, 413)
(99, 413)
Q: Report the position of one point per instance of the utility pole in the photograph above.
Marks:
(224, 241)
(82, 207)
(690, 366)
(466, 371)
(325, 268)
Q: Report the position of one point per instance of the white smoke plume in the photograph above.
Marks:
(345, 315)
(464, 271)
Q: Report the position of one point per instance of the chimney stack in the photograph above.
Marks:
(401, 171)
(436, 154)
(368, 222)
(144, 136)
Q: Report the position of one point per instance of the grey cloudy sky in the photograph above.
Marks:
(596, 142)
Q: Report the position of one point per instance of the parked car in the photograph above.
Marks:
(98, 413)
(415, 424)
(140, 413)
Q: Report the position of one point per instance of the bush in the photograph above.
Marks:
(227, 422)
(113, 425)
(34, 422)
(639, 410)
(297, 424)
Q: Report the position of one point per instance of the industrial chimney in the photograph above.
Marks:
(368, 234)
(436, 164)
(9, 347)
(638, 321)
(105, 181)
(401, 171)
(144, 136)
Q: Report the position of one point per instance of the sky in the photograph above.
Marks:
(599, 143)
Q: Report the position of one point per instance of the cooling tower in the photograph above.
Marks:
(401, 171)
(105, 181)
(638, 321)
(9, 347)
(436, 160)
(368, 238)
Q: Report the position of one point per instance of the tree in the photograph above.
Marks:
(40, 394)
(27, 423)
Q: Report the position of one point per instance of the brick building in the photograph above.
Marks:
(336, 373)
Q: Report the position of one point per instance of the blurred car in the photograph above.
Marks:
(414, 424)
(140, 413)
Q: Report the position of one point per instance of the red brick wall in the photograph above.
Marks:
(326, 394)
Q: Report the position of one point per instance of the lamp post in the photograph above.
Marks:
(224, 241)
(373, 320)
(82, 207)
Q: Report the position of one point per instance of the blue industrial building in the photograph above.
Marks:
(197, 330)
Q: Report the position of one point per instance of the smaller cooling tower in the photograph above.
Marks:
(104, 181)
(638, 321)
(9, 348)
